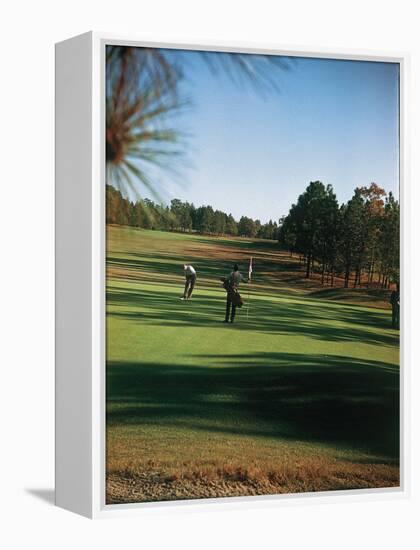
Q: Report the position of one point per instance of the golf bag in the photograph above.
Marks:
(233, 294)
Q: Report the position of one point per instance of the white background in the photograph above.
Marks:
(28, 32)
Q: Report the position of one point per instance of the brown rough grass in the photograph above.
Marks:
(308, 475)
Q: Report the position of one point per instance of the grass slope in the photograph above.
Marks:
(302, 395)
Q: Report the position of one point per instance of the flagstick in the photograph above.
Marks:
(247, 302)
(249, 287)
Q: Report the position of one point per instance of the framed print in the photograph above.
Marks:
(230, 297)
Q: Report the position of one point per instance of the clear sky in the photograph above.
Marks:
(334, 121)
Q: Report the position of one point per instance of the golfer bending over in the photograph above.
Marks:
(233, 299)
(190, 278)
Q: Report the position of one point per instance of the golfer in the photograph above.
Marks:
(395, 304)
(190, 278)
(233, 300)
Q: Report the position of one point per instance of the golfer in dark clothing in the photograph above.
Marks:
(231, 285)
(190, 278)
(395, 304)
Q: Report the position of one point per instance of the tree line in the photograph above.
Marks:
(358, 241)
(182, 216)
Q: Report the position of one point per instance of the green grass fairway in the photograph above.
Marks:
(302, 395)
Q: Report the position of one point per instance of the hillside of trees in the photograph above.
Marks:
(358, 241)
(182, 216)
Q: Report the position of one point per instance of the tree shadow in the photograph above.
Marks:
(309, 318)
(210, 263)
(345, 402)
(242, 243)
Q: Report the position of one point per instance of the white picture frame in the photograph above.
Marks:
(80, 277)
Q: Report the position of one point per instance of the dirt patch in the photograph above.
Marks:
(157, 486)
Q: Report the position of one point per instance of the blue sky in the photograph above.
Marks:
(335, 121)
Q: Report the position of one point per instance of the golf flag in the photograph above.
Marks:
(249, 281)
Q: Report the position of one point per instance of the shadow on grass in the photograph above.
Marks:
(320, 321)
(250, 245)
(209, 262)
(349, 403)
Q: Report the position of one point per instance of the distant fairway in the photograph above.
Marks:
(301, 396)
